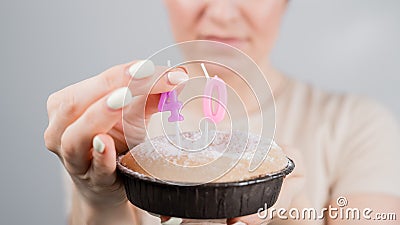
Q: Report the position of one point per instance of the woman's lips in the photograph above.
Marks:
(236, 42)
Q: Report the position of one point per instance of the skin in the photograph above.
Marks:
(249, 25)
(79, 112)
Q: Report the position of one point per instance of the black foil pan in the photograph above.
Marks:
(205, 201)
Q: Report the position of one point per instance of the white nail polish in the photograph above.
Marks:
(173, 221)
(98, 144)
(119, 98)
(177, 77)
(239, 223)
(142, 69)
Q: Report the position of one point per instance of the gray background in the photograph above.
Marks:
(340, 45)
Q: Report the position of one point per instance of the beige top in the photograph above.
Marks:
(350, 144)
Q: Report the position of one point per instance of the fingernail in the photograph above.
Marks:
(177, 77)
(239, 223)
(142, 69)
(98, 144)
(119, 98)
(173, 221)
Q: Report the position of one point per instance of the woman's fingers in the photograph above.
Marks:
(101, 84)
(134, 119)
(163, 80)
(101, 178)
(79, 96)
(100, 117)
(66, 105)
(103, 163)
(142, 77)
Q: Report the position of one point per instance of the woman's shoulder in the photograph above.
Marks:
(349, 105)
(308, 111)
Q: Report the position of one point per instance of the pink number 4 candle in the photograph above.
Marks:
(169, 102)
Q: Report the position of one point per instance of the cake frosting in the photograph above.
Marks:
(226, 158)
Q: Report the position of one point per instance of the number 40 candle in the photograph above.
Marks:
(169, 102)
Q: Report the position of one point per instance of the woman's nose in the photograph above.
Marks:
(222, 12)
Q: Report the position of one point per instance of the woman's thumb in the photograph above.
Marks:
(103, 167)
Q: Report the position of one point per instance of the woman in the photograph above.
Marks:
(343, 145)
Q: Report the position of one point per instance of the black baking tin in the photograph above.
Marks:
(205, 201)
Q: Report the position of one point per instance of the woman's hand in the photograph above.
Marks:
(86, 130)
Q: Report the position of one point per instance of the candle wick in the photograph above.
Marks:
(205, 71)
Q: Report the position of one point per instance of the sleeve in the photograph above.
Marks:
(369, 152)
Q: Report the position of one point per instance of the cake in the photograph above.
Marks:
(225, 158)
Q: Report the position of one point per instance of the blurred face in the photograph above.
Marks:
(250, 25)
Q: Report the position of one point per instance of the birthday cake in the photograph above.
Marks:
(203, 175)
(226, 158)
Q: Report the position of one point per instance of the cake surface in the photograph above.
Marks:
(225, 158)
